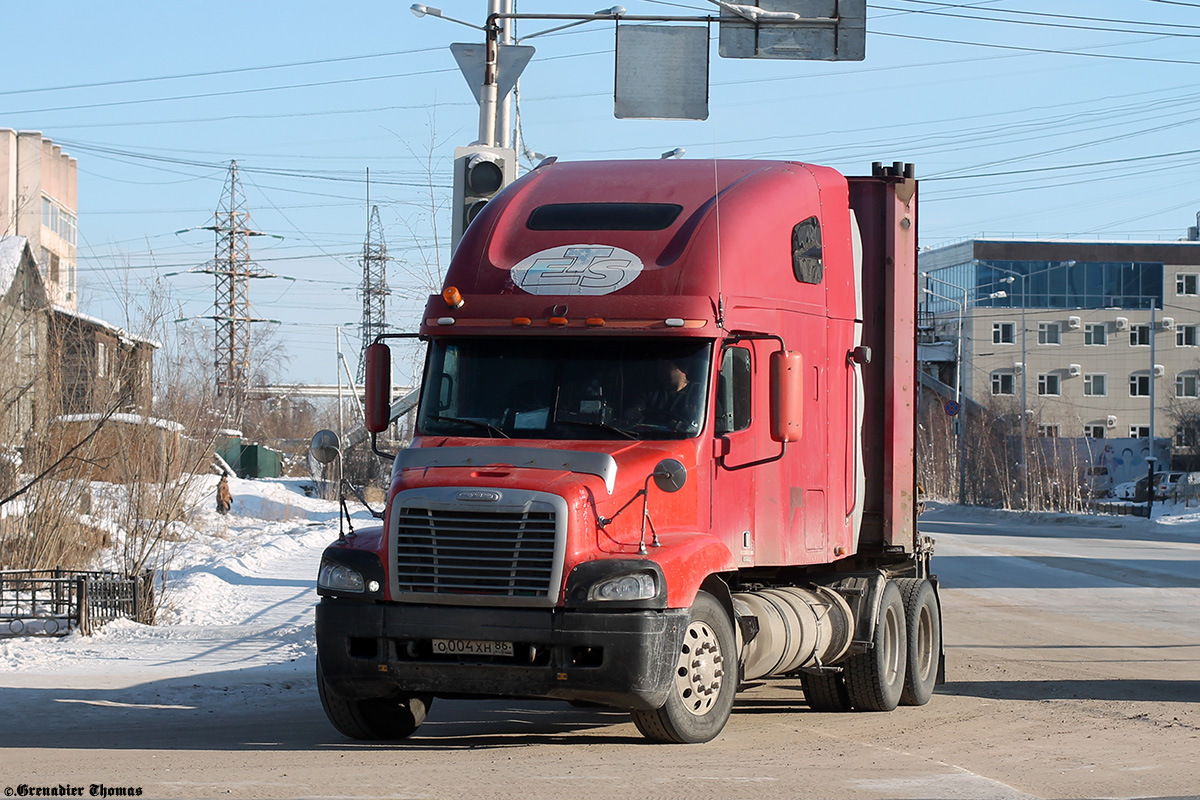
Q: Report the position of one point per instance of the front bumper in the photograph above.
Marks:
(621, 659)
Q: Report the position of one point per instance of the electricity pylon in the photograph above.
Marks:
(374, 288)
(233, 269)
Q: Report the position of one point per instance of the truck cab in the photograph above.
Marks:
(664, 446)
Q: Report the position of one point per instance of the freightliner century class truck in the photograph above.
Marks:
(664, 449)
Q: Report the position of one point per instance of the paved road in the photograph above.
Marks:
(1074, 671)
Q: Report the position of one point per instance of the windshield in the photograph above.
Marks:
(577, 388)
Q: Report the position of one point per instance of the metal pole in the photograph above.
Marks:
(1024, 400)
(504, 135)
(341, 426)
(962, 416)
(1150, 430)
(488, 98)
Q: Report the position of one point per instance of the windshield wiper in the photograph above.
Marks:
(478, 423)
(602, 426)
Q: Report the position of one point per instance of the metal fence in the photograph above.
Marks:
(53, 602)
(1120, 509)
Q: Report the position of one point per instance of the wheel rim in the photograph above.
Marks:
(924, 644)
(892, 668)
(700, 672)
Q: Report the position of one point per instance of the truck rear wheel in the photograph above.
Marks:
(706, 677)
(924, 640)
(373, 718)
(875, 679)
(825, 692)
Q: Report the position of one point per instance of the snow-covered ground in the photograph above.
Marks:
(242, 592)
(241, 595)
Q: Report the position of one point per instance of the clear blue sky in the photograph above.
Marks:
(1032, 119)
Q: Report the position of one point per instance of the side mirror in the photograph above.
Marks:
(787, 396)
(325, 446)
(377, 408)
(670, 475)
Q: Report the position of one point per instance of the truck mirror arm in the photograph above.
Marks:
(745, 336)
(669, 475)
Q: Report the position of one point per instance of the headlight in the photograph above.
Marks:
(638, 586)
(339, 577)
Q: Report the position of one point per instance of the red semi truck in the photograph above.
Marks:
(664, 448)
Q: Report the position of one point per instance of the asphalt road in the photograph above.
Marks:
(1073, 671)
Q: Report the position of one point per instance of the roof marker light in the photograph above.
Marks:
(674, 322)
(559, 321)
(595, 322)
(522, 322)
(453, 297)
(445, 320)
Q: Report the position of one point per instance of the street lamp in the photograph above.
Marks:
(420, 9)
(960, 361)
(1025, 276)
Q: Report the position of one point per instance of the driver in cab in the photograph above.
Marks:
(676, 405)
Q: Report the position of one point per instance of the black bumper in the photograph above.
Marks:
(621, 659)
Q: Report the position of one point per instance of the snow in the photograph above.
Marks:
(132, 419)
(241, 594)
(125, 336)
(11, 248)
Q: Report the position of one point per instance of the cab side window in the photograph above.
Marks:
(733, 391)
(807, 265)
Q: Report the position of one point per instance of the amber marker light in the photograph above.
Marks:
(559, 321)
(522, 322)
(453, 297)
(595, 322)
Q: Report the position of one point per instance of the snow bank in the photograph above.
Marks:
(240, 594)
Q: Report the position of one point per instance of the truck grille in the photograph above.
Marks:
(463, 551)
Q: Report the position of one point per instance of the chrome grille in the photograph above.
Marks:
(464, 551)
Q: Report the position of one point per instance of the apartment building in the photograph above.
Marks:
(38, 200)
(1086, 337)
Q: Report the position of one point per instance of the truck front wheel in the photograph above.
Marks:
(373, 718)
(706, 677)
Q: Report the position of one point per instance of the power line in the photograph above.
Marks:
(216, 72)
(1080, 53)
(938, 10)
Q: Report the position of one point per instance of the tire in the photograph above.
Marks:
(924, 640)
(373, 718)
(706, 679)
(875, 679)
(825, 692)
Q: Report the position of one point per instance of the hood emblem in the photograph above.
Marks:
(479, 496)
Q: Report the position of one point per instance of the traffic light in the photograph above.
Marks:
(480, 172)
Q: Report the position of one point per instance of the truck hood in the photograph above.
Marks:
(607, 468)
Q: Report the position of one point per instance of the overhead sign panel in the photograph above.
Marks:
(662, 72)
(817, 30)
(510, 63)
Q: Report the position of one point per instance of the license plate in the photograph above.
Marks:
(471, 647)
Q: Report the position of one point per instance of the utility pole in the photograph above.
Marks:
(374, 288)
(233, 269)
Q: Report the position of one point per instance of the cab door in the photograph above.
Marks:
(734, 447)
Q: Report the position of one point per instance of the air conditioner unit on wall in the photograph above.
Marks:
(1168, 323)
(1018, 367)
(1122, 323)
(1073, 322)
(1158, 370)
(1074, 369)
(1111, 421)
